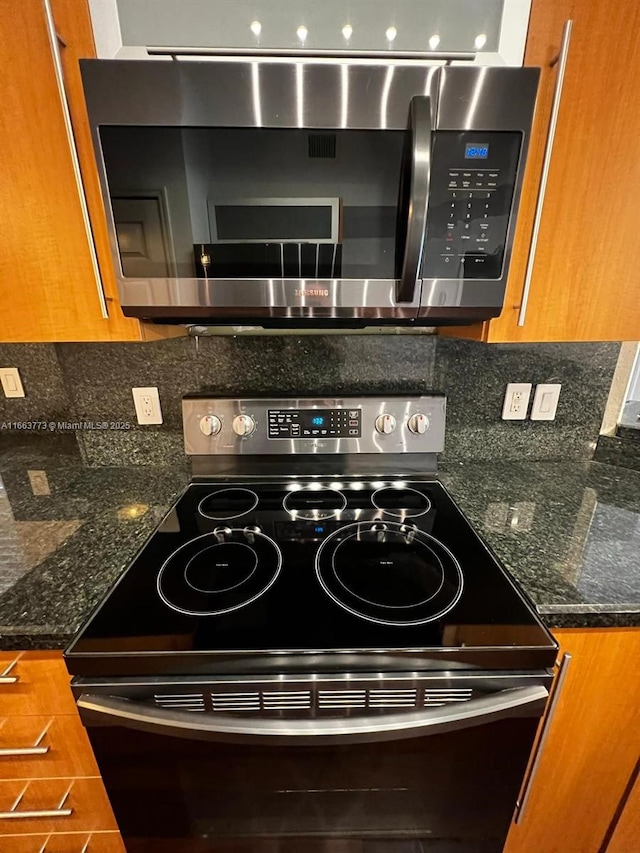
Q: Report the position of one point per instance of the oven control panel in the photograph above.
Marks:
(308, 423)
(412, 424)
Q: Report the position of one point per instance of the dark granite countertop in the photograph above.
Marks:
(569, 533)
(59, 553)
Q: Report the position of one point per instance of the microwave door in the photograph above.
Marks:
(414, 197)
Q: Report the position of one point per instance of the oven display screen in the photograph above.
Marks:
(315, 423)
(477, 151)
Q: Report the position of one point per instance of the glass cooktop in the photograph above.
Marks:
(311, 575)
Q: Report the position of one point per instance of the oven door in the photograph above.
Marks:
(350, 779)
(248, 190)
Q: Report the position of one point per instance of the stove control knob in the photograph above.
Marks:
(418, 423)
(385, 424)
(243, 425)
(210, 425)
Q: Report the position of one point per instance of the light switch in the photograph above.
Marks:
(11, 382)
(545, 402)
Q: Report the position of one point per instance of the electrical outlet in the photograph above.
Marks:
(147, 403)
(545, 402)
(11, 382)
(516, 401)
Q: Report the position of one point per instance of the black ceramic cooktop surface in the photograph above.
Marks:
(312, 575)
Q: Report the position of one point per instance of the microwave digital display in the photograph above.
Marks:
(476, 151)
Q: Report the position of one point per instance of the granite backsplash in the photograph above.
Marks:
(92, 382)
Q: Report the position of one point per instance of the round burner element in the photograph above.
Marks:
(401, 503)
(389, 573)
(314, 504)
(219, 572)
(227, 504)
(221, 567)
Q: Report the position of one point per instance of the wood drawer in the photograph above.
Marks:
(86, 800)
(67, 842)
(68, 752)
(42, 685)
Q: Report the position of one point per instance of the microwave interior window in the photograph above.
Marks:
(255, 202)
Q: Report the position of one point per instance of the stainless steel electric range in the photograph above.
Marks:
(314, 651)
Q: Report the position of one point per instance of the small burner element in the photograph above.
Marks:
(314, 504)
(219, 572)
(389, 573)
(227, 504)
(401, 503)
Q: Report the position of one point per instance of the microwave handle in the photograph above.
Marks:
(420, 128)
(112, 710)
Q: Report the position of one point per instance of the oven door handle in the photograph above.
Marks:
(112, 710)
(420, 126)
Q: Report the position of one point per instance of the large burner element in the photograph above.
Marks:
(219, 572)
(314, 504)
(227, 504)
(389, 573)
(401, 502)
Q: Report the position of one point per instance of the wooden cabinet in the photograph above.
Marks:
(48, 288)
(64, 842)
(625, 829)
(585, 284)
(44, 746)
(50, 786)
(41, 684)
(591, 750)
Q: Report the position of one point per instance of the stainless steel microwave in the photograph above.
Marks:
(283, 191)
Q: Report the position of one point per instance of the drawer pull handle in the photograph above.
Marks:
(36, 749)
(15, 813)
(5, 678)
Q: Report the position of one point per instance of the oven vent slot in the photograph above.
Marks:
(342, 699)
(180, 701)
(322, 145)
(373, 699)
(434, 698)
(225, 702)
(393, 698)
(286, 700)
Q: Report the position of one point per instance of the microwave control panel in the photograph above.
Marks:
(473, 176)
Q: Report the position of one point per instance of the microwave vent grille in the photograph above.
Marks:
(322, 145)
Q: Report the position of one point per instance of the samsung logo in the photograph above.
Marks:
(311, 291)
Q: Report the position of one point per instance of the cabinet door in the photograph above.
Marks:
(591, 749)
(38, 747)
(585, 283)
(32, 806)
(48, 290)
(625, 837)
(34, 683)
(68, 842)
